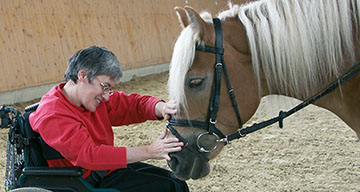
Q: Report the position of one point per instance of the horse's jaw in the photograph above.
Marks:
(188, 164)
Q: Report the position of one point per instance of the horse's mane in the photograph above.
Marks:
(298, 44)
(315, 36)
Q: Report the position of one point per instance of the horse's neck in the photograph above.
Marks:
(301, 60)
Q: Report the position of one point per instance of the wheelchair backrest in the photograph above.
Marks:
(33, 155)
(37, 150)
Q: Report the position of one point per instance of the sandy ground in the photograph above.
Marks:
(315, 151)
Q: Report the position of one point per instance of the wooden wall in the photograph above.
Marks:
(37, 37)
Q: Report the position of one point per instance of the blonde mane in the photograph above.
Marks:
(182, 58)
(315, 36)
(294, 43)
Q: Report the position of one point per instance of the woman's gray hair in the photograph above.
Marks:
(94, 61)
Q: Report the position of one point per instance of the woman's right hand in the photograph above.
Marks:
(162, 146)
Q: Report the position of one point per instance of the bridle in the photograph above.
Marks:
(209, 125)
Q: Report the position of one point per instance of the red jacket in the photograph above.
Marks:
(86, 139)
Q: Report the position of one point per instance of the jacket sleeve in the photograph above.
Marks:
(125, 109)
(68, 136)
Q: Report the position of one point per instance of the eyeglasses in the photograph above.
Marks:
(106, 87)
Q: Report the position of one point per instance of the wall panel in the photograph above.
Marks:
(37, 37)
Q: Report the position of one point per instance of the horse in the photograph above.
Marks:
(271, 47)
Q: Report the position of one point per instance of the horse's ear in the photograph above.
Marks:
(182, 16)
(197, 23)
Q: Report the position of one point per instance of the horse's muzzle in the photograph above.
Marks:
(188, 164)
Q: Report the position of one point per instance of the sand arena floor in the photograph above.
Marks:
(315, 151)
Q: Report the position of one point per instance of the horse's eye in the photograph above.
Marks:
(196, 82)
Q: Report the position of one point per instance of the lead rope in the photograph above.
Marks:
(351, 72)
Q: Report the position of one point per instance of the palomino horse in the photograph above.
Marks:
(283, 47)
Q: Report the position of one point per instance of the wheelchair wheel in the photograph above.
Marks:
(29, 189)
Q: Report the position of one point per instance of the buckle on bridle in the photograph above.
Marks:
(224, 140)
(213, 121)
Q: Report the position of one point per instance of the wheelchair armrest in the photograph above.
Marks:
(53, 171)
(32, 107)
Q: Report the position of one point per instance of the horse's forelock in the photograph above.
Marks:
(182, 58)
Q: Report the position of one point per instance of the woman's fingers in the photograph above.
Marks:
(169, 108)
(163, 146)
(163, 134)
(171, 140)
(174, 144)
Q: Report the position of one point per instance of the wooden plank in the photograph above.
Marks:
(38, 37)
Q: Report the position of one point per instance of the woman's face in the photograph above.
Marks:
(92, 94)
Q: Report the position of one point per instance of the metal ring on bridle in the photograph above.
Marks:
(202, 149)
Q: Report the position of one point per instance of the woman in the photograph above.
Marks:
(76, 118)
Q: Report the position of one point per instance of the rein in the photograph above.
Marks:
(210, 122)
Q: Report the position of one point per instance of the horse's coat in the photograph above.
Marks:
(284, 47)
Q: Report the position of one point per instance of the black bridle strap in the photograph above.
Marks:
(210, 123)
(190, 123)
(176, 134)
(186, 143)
(218, 40)
(220, 64)
(232, 97)
(351, 72)
(220, 59)
(217, 77)
(187, 123)
(216, 103)
(209, 49)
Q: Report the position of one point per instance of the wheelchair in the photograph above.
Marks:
(26, 166)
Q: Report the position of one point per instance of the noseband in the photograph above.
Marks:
(209, 124)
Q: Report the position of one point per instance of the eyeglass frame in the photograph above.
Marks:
(106, 87)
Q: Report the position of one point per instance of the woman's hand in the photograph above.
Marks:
(162, 146)
(159, 149)
(165, 110)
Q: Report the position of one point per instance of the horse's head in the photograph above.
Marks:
(293, 53)
(191, 84)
